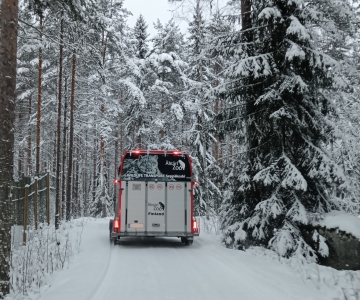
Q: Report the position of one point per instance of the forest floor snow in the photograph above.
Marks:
(164, 269)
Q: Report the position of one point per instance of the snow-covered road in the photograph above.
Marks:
(161, 269)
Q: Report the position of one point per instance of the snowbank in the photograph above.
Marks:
(342, 221)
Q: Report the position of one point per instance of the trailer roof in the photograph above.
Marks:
(143, 151)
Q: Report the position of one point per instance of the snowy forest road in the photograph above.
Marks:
(164, 269)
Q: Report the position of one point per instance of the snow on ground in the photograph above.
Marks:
(341, 220)
(165, 269)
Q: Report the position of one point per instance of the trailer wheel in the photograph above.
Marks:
(183, 239)
(188, 242)
(110, 229)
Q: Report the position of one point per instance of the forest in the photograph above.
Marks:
(263, 95)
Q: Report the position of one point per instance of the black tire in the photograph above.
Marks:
(183, 239)
(110, 230)
(189, 242)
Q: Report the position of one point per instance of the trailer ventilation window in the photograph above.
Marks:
(150, 167)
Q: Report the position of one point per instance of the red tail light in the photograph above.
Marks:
(195, 228)
(116, 181)
(116, 225)
(136, 152)
(176, 153)
(196, 183)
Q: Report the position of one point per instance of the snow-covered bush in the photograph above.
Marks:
(46, 251)
(345, 284)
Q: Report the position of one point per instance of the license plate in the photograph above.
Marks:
(136, 225)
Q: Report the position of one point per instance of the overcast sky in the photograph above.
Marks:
(151, 10)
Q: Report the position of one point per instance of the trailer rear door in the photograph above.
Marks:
(157, 201)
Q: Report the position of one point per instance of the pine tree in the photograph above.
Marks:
(141, 35)
(162, 114)
(278, 79)
(200, 114)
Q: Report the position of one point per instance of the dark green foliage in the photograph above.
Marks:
(278, 79)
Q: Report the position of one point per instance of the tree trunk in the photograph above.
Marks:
(75, 181)
(63, 188)
(29, 161)
(85, 177)
(58, 150)
(8, 49)
(102, 169)
(38, 115)
(71, 140)
(121, 125)
(102, 143)
(94, 167)
(246, 17)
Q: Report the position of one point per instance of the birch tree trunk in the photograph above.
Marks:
(8, 49)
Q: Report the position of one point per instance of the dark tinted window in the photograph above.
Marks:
(156, 166)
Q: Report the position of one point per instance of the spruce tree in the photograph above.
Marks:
(199, 114)
(279, 81)
(140, 33)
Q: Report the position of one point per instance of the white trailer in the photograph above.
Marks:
(155, 196)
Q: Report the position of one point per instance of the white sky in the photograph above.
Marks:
(151, 10)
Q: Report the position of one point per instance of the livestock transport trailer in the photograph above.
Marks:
(155, 196)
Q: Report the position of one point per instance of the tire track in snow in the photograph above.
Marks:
(98, 291)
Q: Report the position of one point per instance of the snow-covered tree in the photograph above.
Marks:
(140, 33)
(278, 80)
(199, 114)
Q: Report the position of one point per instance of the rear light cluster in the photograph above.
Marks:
(116, 225)
(195, 227)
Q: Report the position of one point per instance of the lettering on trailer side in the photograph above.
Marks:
(177, 165)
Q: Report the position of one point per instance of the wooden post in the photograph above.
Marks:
(36, 201)
(26, 211)
(48, 198)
